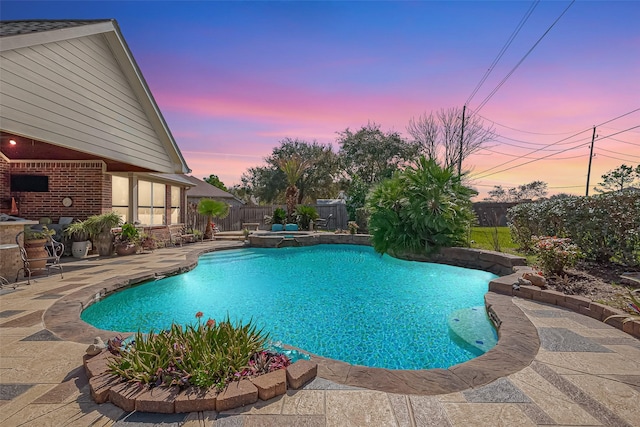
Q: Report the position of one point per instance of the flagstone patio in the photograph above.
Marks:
(585, 372)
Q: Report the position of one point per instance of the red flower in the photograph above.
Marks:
(211, 323)
(199, 314)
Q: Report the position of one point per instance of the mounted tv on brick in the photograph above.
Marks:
(30, 183)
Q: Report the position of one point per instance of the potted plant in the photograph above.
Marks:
(127, 240)
(79, 234)
(99, 227)
(35, 239)
(305, 215)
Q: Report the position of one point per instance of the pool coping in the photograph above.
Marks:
(517, 345)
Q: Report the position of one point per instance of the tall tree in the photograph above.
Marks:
(212, 209)
(293, 169)
(268, 183)
(619, 178)
(437, 135)
(530, 191)
(372, 154)
(215, 181)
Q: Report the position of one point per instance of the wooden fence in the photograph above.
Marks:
(246, 214)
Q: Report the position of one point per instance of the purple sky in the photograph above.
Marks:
(234, 78)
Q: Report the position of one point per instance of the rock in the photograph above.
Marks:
(535, 279)
(524, 282)
(97, 346)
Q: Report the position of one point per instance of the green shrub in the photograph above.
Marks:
(201, 355)
(555, 253)
(419, 210)
(279, 216)
(605, 227)
(305, 214)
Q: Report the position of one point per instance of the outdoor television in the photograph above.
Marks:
(34, 183)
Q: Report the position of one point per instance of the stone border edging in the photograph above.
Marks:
(517, 345)
(107, 387)
(582, 305)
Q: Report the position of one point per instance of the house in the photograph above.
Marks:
(203, 190)
(80, 131)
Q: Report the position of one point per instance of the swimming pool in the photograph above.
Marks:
(343, 302)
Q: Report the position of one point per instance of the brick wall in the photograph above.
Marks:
(5, 197)
(82, 181)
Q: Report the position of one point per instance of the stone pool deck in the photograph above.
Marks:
(584, 373)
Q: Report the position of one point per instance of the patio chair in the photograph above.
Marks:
(47, 260)
(323, 222)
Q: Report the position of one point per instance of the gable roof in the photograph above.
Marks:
(202, 189)
(12, 28)
(15, 35)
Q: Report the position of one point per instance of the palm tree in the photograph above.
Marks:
(293, 169)
(212, 209)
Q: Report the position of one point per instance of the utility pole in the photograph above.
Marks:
(464, 107)
(593, 139)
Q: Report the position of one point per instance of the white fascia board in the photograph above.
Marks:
(31, 39)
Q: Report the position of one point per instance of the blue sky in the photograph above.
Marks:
(234, 78)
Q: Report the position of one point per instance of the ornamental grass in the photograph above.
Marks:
(202, 355)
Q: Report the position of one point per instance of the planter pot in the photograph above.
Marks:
(80, 249)
(104, 244)
(35, 249)
(126, 249)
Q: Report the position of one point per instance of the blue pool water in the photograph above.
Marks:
(339, 301)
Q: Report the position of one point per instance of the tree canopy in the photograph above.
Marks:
(268, 183)
(619, 178)
(372, 154)
(530, 191)
(437, 135)
(215, 181)
(419, 210)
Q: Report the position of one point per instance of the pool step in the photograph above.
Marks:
(472, 327)
(230, 257)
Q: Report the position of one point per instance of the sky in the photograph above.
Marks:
(233, 79)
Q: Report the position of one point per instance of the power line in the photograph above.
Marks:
(535, 151)
(524, 131)
(529, 148)
(503, 81)
(621, 131)
(525, 157)
(513, 35)
(615, 158)
(619, 117)
(625, 142)
(622, 154)
(562, 140)
(531, 161)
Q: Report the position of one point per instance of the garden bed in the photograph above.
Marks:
(130, 396)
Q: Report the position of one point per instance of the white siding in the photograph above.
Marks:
(73, 93)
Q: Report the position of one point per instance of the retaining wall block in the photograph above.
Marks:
(237, 393)
(100, 386)
(194, 399)
(97, 364)
(301, 372)
(271, 385)
(124, 396)
(157, 399)
(551, 297)
(632, 327)
(529, 292)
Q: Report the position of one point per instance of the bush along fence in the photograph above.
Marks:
(239, 215)
(605, 227)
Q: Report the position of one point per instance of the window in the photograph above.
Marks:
(175, 205)
(151, 203)
(120, 196)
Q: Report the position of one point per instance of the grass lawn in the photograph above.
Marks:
(493, 239)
